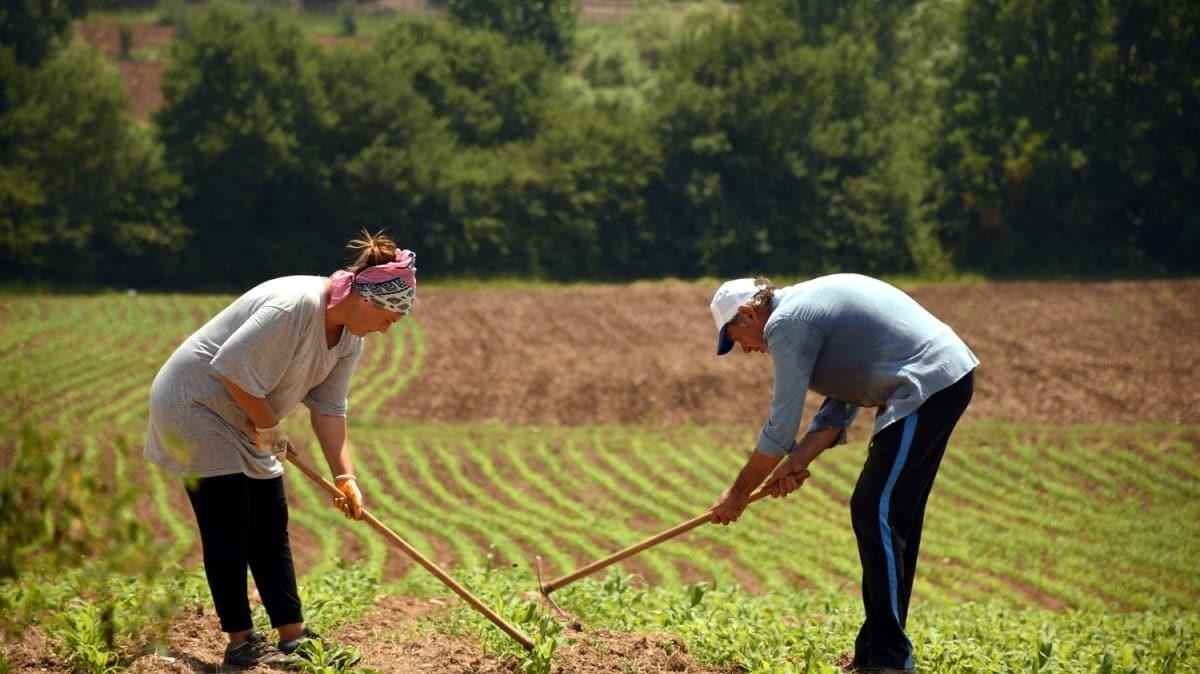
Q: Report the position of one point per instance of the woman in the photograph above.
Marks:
(215, 408)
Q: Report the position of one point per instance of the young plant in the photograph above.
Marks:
(315, 657)
(545, 641)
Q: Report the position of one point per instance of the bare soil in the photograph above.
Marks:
(397, 637)
(141, 81)
(644, 354)
(141, 76)
(106, 35)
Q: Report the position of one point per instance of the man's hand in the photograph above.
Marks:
(729, 507)
(351, 500)
(788, 476)
(271, 440)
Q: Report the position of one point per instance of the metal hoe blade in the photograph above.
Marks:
(558, 610)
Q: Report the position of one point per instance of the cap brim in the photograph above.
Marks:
(724, 344)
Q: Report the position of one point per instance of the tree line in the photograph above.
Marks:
(1011, 137)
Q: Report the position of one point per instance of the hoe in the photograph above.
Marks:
(412, 552)
(593, 567)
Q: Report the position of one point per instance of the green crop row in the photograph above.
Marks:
(799, 631)
(997, 529)
(102, 379)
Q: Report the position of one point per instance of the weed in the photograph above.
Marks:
(315, 657)
(341, 596)
(545, 642)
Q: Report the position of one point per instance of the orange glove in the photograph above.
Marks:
(351, 500)
(271, 440)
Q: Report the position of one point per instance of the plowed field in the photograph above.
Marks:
(1050, 352)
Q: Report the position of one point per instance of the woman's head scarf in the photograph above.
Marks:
(392, 285)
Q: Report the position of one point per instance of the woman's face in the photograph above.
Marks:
(369, 317)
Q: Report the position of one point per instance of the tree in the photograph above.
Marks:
(84, 192)
(1155, 83)
(549, 23)
(778, 154)
(1073, 146)
(243, 118)
(574, 201)
(619, 68)
(385, 152)
(33, 28)
(487, 91)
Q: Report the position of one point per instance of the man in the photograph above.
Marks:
(860, 343)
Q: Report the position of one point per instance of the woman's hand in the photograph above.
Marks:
(351, 500)
(271, 440)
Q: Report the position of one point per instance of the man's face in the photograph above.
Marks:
(746, 330)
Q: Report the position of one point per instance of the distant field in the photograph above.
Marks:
(640, 354)
(485, 437)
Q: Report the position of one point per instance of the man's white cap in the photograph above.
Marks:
(724, 305)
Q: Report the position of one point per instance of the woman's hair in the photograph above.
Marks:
(766, 292)
(372, 249)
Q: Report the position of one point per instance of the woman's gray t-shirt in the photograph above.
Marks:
(271, 343)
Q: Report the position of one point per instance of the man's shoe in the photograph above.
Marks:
(255, 650)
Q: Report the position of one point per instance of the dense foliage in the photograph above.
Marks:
(84, 191)
(246, 109)
(1071, 138)
(779, 152)
(34, 28)
(549, 23)
(790, 137)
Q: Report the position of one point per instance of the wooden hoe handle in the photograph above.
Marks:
(654, 540)
(412, 552)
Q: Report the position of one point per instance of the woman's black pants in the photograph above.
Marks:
(888, 509)
(243, 523)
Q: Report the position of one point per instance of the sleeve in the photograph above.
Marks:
(794, 346)
(330, 396)
(834, 414)
(257, 354)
